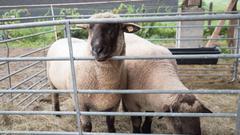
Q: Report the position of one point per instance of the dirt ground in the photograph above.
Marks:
(210, 126)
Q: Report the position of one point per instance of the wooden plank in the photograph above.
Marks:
(217, 30)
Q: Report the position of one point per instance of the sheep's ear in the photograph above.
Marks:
(131, 27)
(83, 26)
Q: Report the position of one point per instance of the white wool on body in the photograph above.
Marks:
(150, 74)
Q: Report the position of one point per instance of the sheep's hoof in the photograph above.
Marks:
(112, 130)
(136, 131)
(146, 130)
(59, 116)
(87, 127)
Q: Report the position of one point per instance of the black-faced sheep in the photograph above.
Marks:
(159, 75)
(104, 41)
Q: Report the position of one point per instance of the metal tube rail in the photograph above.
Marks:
(190, 39)
(202, 69)
(122, 15)
(16, 96)
(20, 70)
(25, 80)
(30, 18)
(189, 26)
(160, 57)
(29, 103)
(124, 20)
(161, 14)
(155, 114)
(73, 78)
(69, 133)
(27, 36)
(205, 75)
(27, 97)
(70, 4)
(226, 91)
(29, 53)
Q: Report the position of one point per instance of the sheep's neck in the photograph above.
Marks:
(108, 74)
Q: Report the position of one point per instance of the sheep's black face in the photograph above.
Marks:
(104, 38)
(186, 125)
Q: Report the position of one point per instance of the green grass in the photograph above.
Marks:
(219, 5)
(30, 42)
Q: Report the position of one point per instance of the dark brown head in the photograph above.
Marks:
(186, 125)
(107, 39)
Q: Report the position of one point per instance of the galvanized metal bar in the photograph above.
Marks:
(36, 98)
(29, 103)
(30, 95)
(20, 70)
(25, 80)
(16, 96)
(29, 18)
(27, 36)
(237, 130)
(8, 64)
(70, 4)
(167, 27)
(147, 91)
(29, 53)
(204, 75)
(189, 39)
(160, 57)
(161, 14)
(236, 64)
(73, 77)
(155, 114)
(53, 18)
(188, 26)
(202, 69)
(69, 133)
(124, 20)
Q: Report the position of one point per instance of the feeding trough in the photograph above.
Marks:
(196, 51)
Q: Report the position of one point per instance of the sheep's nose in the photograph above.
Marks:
(97, 50)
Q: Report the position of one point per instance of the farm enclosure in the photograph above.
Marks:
(37, 102)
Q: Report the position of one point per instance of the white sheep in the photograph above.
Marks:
(104, 41)
(159, 75)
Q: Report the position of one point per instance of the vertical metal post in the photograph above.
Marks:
(235, 65)
(74, 82)
(178, 31)
(237, 130)
(5, 36)
(53, 18)
(210, 12)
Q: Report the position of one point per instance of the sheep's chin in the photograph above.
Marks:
(103, 59)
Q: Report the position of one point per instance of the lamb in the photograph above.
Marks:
(104, 41)
(161, 75)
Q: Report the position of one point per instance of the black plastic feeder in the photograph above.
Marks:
(196, 51)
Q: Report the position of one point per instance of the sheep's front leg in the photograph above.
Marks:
(55, 100)
(110, 120)
(146, 128)
(136, 123)
(85, 121)
(110, 124)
